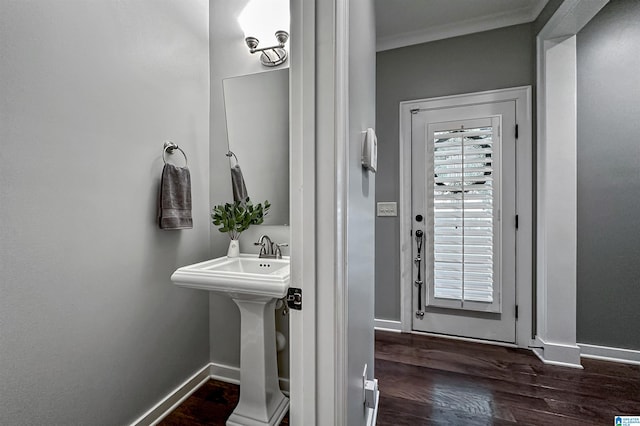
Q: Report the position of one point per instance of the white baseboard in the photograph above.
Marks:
(604, 353)
(558, 354)
(221, 372)
(230, 374)
(175, 398)
(225, 373)
(465, 339)
(388, 325)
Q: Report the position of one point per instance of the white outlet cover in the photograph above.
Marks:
(387, 208)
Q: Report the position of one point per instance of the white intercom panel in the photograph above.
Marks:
(370, 150)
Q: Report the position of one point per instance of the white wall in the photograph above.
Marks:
(92, 330)
(230, 57)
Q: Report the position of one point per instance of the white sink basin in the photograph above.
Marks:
(254, 285)
(245, 276)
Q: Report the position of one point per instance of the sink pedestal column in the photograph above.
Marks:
(261, 400)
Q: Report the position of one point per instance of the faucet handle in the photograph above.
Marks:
(263, 248)
(278, 252)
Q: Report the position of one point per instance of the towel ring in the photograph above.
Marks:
(170, 147)
(230, 154)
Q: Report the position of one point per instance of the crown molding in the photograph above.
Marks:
(464, 27)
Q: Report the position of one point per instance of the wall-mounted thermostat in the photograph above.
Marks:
(370, 150)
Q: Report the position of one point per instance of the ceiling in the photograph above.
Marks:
(405, 22)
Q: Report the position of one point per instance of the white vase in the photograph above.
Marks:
(234, 248)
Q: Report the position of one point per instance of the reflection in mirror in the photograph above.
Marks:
(257, 113)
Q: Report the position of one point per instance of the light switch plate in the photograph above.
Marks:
(387, 208)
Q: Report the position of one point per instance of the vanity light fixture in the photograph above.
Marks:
(258, 21)
(271, 56)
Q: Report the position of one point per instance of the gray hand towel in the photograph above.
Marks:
(237, 184)
(174, 210)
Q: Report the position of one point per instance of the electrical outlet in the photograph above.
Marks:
(387, 208)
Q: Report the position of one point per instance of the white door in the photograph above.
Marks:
(464, 220)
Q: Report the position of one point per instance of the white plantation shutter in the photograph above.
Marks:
(464, 197)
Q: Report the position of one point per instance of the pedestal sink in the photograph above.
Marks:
(254, 284)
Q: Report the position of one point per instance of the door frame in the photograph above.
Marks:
(318, 195)
(302, 184)
(524, 199)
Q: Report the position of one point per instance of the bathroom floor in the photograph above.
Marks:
(210, 405)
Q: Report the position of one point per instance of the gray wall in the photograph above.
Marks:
(494, 59)
(360, 207)
(230, 57)
(92, 331)
(608, 51)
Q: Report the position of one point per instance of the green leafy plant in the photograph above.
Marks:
(233, 218)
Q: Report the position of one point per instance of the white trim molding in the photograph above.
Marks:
(557, 162)
(604, 353)
(230, 374)
(465, 339)
(302, 182)
(341, 214)
(388, 325)
(224, 373)
(458, 28)
(524, 235)
(211, 371)
(558, 354)
(174, 398)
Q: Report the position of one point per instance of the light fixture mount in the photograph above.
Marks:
(273, 55)
(282, 37)
(252, 42)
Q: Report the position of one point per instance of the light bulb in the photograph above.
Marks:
(262, 18)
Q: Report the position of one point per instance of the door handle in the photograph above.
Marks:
(418, 261)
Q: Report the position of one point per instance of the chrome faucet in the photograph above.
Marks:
(269, 249)
(267, 246)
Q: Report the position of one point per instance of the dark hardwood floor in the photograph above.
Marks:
(436, 381)
(210, 405)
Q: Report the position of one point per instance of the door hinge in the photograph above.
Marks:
(294, 298)
(516, 221)
(516, 311)
(414, 111)
(516, 131)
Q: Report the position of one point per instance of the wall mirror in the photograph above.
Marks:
(257, 115)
